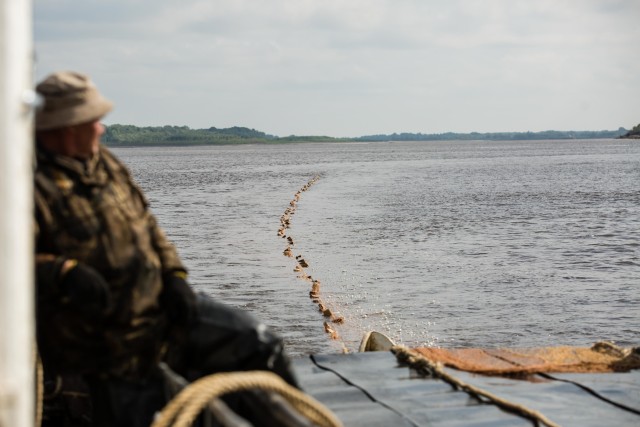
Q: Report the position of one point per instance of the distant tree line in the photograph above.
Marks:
(129, 135)
(633, 133)
(497, 136)
(125, 135)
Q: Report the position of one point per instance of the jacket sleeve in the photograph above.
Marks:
(47, 264)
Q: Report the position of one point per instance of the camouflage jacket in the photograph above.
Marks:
(95, 213)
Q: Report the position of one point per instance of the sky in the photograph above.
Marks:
(347, 68)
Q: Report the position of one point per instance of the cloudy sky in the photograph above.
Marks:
(353, 67)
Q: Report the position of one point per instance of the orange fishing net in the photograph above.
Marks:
(601, 357)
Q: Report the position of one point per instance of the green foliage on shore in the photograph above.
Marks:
(633, 133)
(129, 135)
(497, 136)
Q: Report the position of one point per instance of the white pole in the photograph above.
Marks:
(16, 217)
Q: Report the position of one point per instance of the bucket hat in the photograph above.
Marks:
(70, 98)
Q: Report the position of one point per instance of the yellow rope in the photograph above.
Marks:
(185, 407)
(39, 386)
(430, 368)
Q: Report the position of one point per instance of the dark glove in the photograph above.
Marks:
(178, 299)
(86, 290)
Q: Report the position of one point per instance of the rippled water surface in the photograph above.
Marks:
(453, 244)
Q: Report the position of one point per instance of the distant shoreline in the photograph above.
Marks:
(180, 136)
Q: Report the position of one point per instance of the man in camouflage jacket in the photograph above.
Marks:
(112, 295)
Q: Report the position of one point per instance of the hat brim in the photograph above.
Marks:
(83, 113)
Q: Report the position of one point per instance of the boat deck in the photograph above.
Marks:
(372, 389)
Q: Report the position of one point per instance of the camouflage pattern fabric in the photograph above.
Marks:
(94, 212)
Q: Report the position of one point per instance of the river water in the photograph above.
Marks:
(451, 244)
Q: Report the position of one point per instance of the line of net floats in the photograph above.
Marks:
(330, 319)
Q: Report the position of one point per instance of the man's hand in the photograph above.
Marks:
(179, 299)
(85, 289)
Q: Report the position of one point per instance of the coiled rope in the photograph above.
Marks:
(432, 369)
(185, 407)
